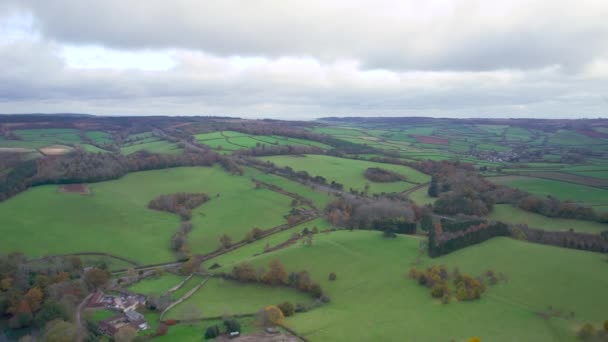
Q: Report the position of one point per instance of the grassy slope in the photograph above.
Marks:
(349, 171)
(115, 219)
(372, 299)
(156, 285)
(561, 190)
(319, 198)
(223, 297)
(510, 214)
(158, 146)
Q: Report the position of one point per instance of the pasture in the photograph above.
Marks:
(115, 218)
(220, 297)
(350, 172)
(384, 303)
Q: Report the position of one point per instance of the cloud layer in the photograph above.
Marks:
(303, 59)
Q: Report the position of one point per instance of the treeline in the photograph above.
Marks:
(267, 150)
(379, 175)
(81, 167)
(567, 239)
(276, 275)
(389, 215)
(442, 242)
(180, 204)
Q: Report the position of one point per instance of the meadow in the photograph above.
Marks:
(115, 218)
(219, 297)
(350, 172)
(385, 305)
(152, 145)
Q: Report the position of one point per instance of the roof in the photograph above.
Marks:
(133, 315)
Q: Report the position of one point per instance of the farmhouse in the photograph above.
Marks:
(111, 325)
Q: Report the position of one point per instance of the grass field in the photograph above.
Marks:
(508, 213)
(349, 172)
(224, 297)
(156, 285)
(115, 219)
(152, 145)
(319, 198)
(231, 141)
(562, 190)
(421, 196)
(372, 299)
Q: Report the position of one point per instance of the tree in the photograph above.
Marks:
(276, 274)
(96, 278)
(60, 331)
(225, 241)
(49, 311)
(271, 315)
(244, 272)
(212, 332)
(587, 331)
(125, 334)
(34, 298)
(307, 240)
(332, 276)
(287, 308)
(232, 325)
(433, 190)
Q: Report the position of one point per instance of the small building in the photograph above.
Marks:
(97, 300)
(136, 319)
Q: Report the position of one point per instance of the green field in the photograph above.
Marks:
(152, 145)
(220, 297)
(509, 214)
(421, 196)
(156, 285)
(562, 190)
(349, 172)
(319, 198)
(373, 300)
(231, 141)
(115, 219)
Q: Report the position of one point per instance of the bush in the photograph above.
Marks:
(332, 276)
(212, 332)
(587, 331)
(231, 325)
(170, 322)
(606, 325)
(287, 308)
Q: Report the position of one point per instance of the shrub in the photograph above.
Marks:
(606, 325)
(212, 332)
(587, 331)
(231, 325)
(332, 276)
(170, 322)
(287, 308)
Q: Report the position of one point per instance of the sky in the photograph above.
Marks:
(304, 59)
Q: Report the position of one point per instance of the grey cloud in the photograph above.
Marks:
(381, 34)
(40, 81)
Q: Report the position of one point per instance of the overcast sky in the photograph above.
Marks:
(306, 59)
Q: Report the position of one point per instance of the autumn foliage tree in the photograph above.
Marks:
(276, 274)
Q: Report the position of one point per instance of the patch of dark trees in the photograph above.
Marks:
(443, 242)
(180, 203)
(392, 216)
(81, 167)
(380, 175)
